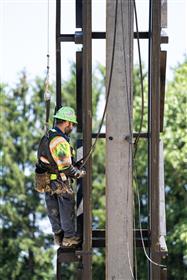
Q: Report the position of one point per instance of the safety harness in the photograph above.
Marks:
(47, 169)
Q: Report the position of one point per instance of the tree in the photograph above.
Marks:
(175, 146)
(175, 149)
(25, 249)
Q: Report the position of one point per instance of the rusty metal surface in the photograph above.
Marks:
(163, 57)
(154, 129)
(78, 13)
(87, 139)
(58, 55)
(79, 90)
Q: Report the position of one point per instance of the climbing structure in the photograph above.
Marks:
(119, 38)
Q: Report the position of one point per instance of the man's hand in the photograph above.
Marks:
(80, 173)
(74, 172)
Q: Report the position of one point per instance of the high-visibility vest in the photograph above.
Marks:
(51, 146)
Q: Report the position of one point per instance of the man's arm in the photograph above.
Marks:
(61, 153)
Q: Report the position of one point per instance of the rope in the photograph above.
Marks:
(47, 95)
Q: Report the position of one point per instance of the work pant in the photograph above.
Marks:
(61, 213)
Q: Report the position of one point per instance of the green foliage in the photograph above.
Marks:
(25, 251)
(175, 146)
(175, 149)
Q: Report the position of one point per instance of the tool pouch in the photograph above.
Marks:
(42, 182)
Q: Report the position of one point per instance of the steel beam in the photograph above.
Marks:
(78, 10)
(163, 57)
(154, 129)
(58, 55)
(87, 139)
(79, 89)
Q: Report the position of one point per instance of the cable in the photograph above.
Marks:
(85, 159)
(132, 274)
(140, 224)
(136, 142)
(47, 95)
(141, 79)
(134, 236)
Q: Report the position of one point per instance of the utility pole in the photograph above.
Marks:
(119, 228)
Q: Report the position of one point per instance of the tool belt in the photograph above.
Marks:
(42, 182)
(45, 182)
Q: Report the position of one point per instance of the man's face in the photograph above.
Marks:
(69, 127)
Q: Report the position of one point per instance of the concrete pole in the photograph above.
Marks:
(119, 228)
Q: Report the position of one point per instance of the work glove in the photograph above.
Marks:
(78, 163)
(74, 172)
(80, 173)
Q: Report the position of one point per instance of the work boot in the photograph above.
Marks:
(69, 242)
(58, 238)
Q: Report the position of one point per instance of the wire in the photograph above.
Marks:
(47, 95)
(137, 140)
(130, 262)
(85, 159)
(140, 225)
(48, 55)
(141, 82)
(48, 19)
(135, 251)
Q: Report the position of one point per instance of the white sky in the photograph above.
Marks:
(23, 38)
(23, 34)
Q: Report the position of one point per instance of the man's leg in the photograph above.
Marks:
(67, 215)
(53, 212)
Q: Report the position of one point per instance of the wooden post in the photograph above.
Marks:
(119, 228)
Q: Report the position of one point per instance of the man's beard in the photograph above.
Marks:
(68, 130)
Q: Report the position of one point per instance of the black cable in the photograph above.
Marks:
(85, 159)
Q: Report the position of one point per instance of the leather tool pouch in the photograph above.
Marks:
(42, 182)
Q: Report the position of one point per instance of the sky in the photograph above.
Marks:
(24, 35)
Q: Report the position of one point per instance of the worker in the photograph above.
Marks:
(55, 170)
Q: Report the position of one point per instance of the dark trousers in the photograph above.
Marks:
(61, 213)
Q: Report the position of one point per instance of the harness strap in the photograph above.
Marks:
(53, 177)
